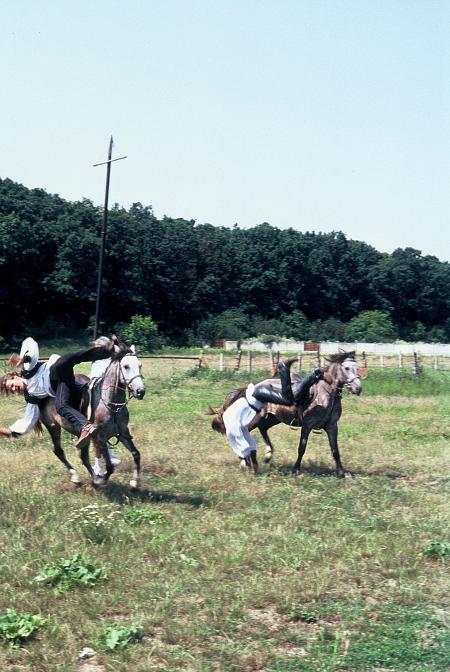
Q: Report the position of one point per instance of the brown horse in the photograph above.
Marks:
(321, 412)
(109, 413)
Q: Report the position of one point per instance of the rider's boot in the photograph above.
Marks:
(88, 431)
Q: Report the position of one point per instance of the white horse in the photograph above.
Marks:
(109, 412)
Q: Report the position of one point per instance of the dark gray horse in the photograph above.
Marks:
(109, 412)
(322, 412)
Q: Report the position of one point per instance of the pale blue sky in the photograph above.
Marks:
(316, 114)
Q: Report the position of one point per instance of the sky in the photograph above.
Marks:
(314, 114)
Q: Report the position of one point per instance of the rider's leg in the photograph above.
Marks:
(63, 405)
(62, 379)
(301, 389)
(62, 369)
(266, 392)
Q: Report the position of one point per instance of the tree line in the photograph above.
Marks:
(200, 282)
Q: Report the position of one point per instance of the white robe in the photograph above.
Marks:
(236, 419)
(38, 386)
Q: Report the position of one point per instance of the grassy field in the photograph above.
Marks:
(208, 568)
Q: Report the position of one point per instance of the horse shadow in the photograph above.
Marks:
(310, 470)
(121, 494)
(321, 469)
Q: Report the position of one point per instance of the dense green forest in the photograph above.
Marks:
(200, 282)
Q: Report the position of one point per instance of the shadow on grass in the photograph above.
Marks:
(122, 494)
(327, 471)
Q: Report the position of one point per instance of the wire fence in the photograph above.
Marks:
(306, 361)
(249, 361)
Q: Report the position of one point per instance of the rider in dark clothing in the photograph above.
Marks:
(68, 390)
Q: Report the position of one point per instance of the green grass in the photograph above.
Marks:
(219, 571)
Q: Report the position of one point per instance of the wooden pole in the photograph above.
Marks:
(103, 234)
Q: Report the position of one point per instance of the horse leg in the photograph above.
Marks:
(55, 435)
(332, 433)
(301, 449)
(102, 447)
(84, 456)
(268, 445)
(127, 440)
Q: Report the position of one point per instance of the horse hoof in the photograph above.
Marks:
(98, 482)
(74, 478)
(347, 474)
(134, 485)
(267, 457)
(297, 473)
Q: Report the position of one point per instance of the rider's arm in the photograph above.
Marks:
(24, 424)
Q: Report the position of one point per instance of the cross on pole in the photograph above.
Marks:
(103, 232)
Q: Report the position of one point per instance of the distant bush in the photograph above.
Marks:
(143, 333)
(371, 326)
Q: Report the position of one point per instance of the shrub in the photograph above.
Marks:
(143, 333)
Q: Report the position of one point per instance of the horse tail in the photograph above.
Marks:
(38, 428)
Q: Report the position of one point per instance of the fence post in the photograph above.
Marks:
(416, 364)
(400, 360)
(249, 361)
(299, 359)
(364, 358)
(221, 361)
(381, 362)
(237, 364)
(274, 358)
(436, 363)
(200, 361)
(318, 354)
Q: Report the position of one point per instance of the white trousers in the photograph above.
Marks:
(236, 419)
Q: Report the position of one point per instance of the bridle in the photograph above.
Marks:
(128, 382)
(355, 377)
(116, 406)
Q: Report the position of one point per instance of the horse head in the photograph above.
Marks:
(130, 370)
(348, 372)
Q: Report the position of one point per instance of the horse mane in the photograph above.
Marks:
(120, 351)
(340, 357)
